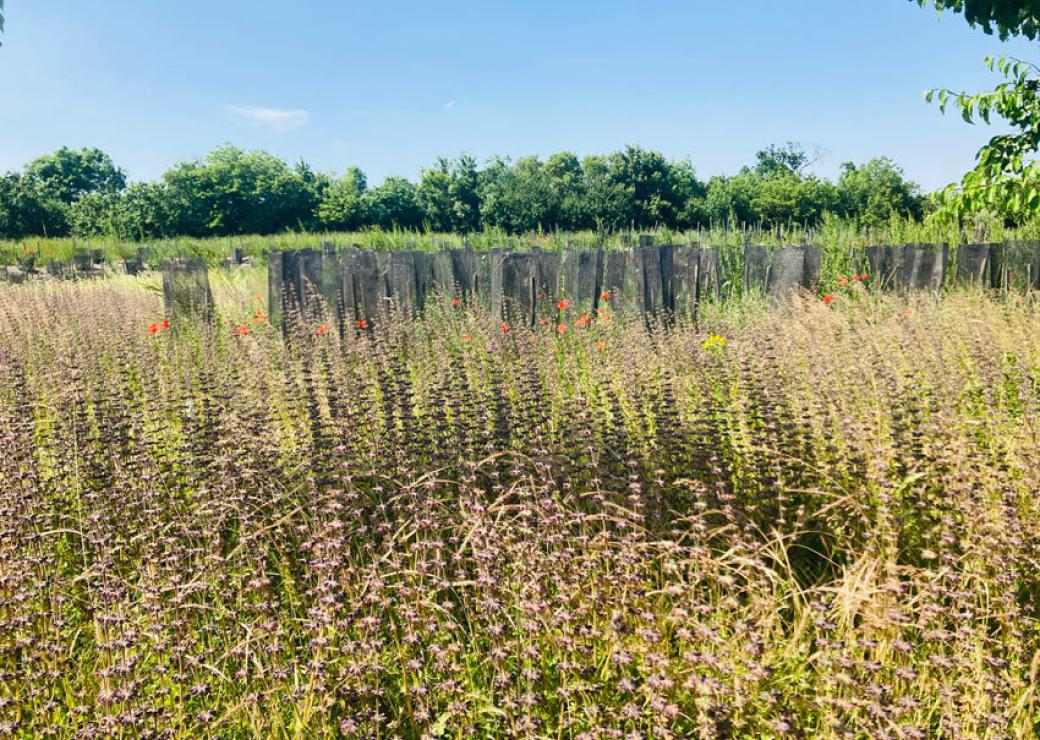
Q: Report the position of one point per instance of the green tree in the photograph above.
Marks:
(787, 199)
(774, 192)
(498, 188)
(38, 201)
(728, 200)
(27, 210)
(608, 203)
(790, 158)
(689, 196)
(233, 191)
(90, 215)
(567, 179)
(67, 174)
(1006, 178)
(876, 191)
(518, 198)
(656, 197)
(342, 206)
(1006, 17)
(141, 211)
(465, 194)
(769, 197)
(433, 194)
(314, 186)
(394, 205)
(448, 194)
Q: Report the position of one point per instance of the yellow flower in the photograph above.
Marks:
(714, 341)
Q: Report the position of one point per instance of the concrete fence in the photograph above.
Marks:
(1010, 265)
(652, 283)
(360, 288)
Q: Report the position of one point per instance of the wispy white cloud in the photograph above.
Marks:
(450, 104)
(280, 120)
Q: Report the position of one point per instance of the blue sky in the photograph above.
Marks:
(390, 85)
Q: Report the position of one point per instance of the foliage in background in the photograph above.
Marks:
(236, 192)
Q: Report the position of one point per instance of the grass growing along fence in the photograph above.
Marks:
(812, 520)
(841, 241)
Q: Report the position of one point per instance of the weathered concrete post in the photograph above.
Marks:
(972, 264)
(686, 278)
(581, 278)
(513, 280)
(923, 267)
(786, 272)
(186, 291)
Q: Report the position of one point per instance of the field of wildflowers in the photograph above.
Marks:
(816, 520)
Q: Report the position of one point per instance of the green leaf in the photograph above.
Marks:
(1001, 181)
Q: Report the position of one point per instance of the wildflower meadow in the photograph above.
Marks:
(811, 520)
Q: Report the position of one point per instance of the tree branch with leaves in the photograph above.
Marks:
(1006, 17)
(1006, 177)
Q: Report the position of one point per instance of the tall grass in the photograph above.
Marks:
(842, 240)
(820, 523)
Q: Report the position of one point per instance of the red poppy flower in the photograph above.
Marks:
(864, 276)
(456, 302)
(842, 283)
(585, 320)
(323, 329)
(242, 331)
(164, 324)
(153, 328)
(505, 328)
(828, 298)
(605, 295)
(562, 329)
(562, 304)
(362, 324)
(601, 345)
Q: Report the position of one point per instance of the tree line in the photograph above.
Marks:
(233, 191)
